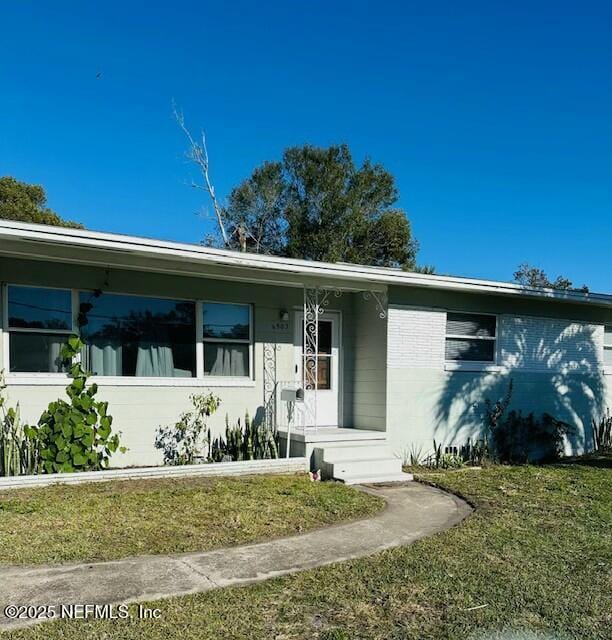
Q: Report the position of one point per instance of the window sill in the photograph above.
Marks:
(51, 379)
(473, 366)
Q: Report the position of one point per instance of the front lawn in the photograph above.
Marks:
(109, 520)
(535, 555)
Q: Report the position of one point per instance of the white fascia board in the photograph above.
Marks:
(353, 275)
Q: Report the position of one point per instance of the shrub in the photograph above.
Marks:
(253, 442)
(413, 456)
(495, 411)
(518, 438)
(188, 438)
(18, 454)
(602, 432)
(447, 459)
(449, 456)
(475, 453)
(76, 435)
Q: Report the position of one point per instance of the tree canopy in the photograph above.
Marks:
(317, 204)
(529, 276)
(28, 203)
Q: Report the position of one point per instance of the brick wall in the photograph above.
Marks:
(556, 366)
(416, 340)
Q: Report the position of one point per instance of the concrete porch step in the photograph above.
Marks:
(378, 479)
(359, 450)
(360, 462)
(366, 466)
(335, 435)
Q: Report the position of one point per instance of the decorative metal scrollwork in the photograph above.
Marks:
(380, 298)
(269, 384)
(312, 309)
(324, 295)
(316, 300)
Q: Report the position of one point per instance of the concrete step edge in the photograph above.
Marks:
(379, 453)
(374, 479)
(351, 460)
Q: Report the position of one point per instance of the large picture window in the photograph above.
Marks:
(227, 339)
(138, 336)
(470, 337)
(39, 323)
(127, 336)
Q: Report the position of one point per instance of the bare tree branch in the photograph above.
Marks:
(198, 154)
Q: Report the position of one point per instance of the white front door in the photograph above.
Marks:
(328, 366)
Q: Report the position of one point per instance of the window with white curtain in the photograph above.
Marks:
(39, 323)
(138, 336)
(127, 335)
(470, 337)
(227, 332)
(608, 346)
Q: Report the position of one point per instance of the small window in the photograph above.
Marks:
(470, 337)
(608, 346)
(39, 323)
(324, 355)
(227, 339)
(138, 336)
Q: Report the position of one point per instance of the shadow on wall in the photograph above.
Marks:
(559, 372)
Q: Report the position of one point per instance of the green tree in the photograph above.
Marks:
(535, 277)
(28, 203)
(316, 204)
(256, 211)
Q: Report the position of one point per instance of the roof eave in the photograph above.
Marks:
(356, 274)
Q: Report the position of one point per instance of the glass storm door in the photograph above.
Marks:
(328, 374)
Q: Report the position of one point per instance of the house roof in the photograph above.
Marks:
(43, 242)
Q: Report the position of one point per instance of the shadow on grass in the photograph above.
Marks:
(598, 460)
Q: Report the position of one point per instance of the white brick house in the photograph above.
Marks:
(392, 359)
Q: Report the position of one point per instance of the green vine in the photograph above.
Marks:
(75, 435)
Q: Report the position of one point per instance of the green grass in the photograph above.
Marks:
(109, 520)
(536, 555)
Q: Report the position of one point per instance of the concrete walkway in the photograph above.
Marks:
(413, 511)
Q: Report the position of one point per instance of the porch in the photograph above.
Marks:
(353, 456)
(327, 368)
(333, 411)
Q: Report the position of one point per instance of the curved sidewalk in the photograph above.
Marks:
(413, 511)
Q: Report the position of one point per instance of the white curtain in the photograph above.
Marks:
(228, 360)
(154, 360)
(55, 346)
(104, 358)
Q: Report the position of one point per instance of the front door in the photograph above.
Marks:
(328, 366)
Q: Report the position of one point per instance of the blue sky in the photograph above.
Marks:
(495, 117)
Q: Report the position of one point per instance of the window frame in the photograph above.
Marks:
(59, 378)
(7, 330)
(202, 340)
(98, 379)
(607, 329)
(476, 365)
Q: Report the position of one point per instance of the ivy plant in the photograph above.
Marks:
(75, 435)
